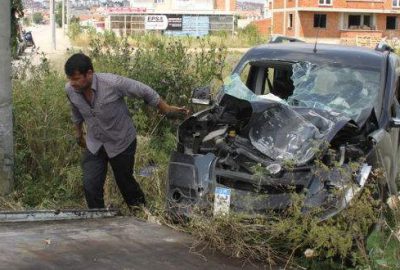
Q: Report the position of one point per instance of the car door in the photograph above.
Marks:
(385, 153)
(394, 127)
(387, 142)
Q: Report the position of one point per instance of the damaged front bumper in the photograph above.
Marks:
(196, 183)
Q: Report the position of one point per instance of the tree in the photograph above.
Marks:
(37, 17)
(59, 14)
(17, 12)
(6, 126)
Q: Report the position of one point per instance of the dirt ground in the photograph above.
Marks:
(43, 40)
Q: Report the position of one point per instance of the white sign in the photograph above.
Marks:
(156, 22)
(222, 201)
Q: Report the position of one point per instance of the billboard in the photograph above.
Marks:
(174, 22)
(155, 22)
(163, 22)
(126, 10)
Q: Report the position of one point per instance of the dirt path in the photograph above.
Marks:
(43, 40)
(42, 37)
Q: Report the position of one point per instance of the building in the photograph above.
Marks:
(173, 17)
(335, 20)
(185, 5)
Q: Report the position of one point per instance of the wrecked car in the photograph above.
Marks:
(290, 119)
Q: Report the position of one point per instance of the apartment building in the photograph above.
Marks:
(335, 20)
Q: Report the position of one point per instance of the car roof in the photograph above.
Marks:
(333, 53)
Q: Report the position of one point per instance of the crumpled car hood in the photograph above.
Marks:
(283, 132)
(291, 134)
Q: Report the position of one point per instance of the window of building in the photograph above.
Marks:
(396, 3)
(354, 20)
(360, 21)
(290, 21)
(328, 2)
(391, 22)
(320, 20)
(367, 20)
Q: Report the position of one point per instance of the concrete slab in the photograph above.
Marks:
(109, 243)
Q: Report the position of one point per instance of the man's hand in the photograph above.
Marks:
(80, 135)
(172, 111)
(81, 141)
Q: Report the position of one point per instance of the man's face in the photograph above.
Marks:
(81, 82)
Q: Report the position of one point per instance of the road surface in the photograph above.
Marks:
(108, 243)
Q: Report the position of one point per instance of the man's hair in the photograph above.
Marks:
(78, 62)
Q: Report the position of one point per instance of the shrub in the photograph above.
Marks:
(47, 170)
(37, 17)
(251, 35)
(171, 68)
(282, 238)
(74, 30)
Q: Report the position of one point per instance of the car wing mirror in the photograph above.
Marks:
(395, 122)
(201, 95)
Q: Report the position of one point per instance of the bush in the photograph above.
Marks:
(171, 68)
(47, 170)
(74, 30)
(251, 35)
(283, 238)
(37, 17)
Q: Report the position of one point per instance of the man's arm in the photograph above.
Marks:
(136, 89)
(77, 119)
(80, 135)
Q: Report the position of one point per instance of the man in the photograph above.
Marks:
(98, 100)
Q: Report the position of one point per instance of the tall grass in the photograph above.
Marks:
(241, 38)
(47, 170)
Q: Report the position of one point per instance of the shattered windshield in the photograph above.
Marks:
(293, 128)
(350, 91)
(347, 90)
(234, 86)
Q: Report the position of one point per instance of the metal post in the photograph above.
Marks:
(53, 24)
(6, 124)
(68, 13)
(63, 16)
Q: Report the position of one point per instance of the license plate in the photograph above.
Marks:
(222, 201)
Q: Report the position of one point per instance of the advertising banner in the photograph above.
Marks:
(174, 22)
(127, 10)
(156, 22)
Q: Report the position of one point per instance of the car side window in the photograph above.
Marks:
(269, 78)
(397, 89)
(244, 76)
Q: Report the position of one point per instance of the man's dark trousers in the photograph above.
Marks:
(95, 171)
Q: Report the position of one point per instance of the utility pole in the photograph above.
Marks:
(53, 23)
(63, 16)
(6, 124)
(68, 13)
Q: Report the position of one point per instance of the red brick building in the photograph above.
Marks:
(335, 20)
